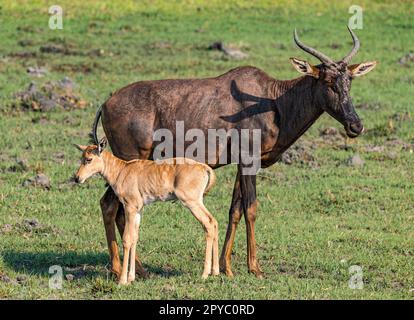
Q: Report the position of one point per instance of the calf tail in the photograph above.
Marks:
(211, 179)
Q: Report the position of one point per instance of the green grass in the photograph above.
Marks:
(314, 222)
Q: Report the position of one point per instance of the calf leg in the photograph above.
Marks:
(128, 239)
(208, 222)
(235, 214)
(120, 222)
(216, 267)
(109, 206)
(137, 221)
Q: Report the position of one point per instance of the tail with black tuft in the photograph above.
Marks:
(93, 135)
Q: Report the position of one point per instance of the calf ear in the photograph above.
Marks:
(80, 147)
(304, 67)
(102, 144)
(361, 68)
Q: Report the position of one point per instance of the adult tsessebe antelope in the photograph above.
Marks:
(139, 182)
(243, 98)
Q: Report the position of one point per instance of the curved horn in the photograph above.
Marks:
(323, 58)
(354, 50)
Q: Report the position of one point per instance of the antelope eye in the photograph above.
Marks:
(88, 160)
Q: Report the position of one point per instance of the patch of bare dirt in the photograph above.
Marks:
(355, 161)
(407, 59)
(21, 165)
(230, 51)
(369, 106)
(29, 227)
(51, 95)
(37, 71)
(40, 180)
(23, 54)
(300, 152)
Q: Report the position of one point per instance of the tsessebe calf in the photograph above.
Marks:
(139, 182)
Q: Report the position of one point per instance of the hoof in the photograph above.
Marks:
(258, 273)
(115, 275)
(228, 273)
(123, 282)
(215, 272)
(226, 270)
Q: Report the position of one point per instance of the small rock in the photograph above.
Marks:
(59, 157)
(20, 166)
(23, 164)
(21, 279)
(69, 277)
(6, 228)
(37, 71)
(4, 278)
(66, 83)
(330, 131)
(218, 45)
(409, 57)
(355, 161)
(44, 104)
(232, 53)
(392, 155)
(235, 54)
(31, 223)
(40, 180)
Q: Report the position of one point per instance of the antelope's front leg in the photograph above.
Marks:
(235, 214)
(248, 189)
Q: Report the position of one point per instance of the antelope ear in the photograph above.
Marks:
(102, 144)
(304, 67)
(361, 68)
(80, 147)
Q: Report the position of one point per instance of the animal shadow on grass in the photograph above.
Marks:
(81, 265)
(85, 264)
